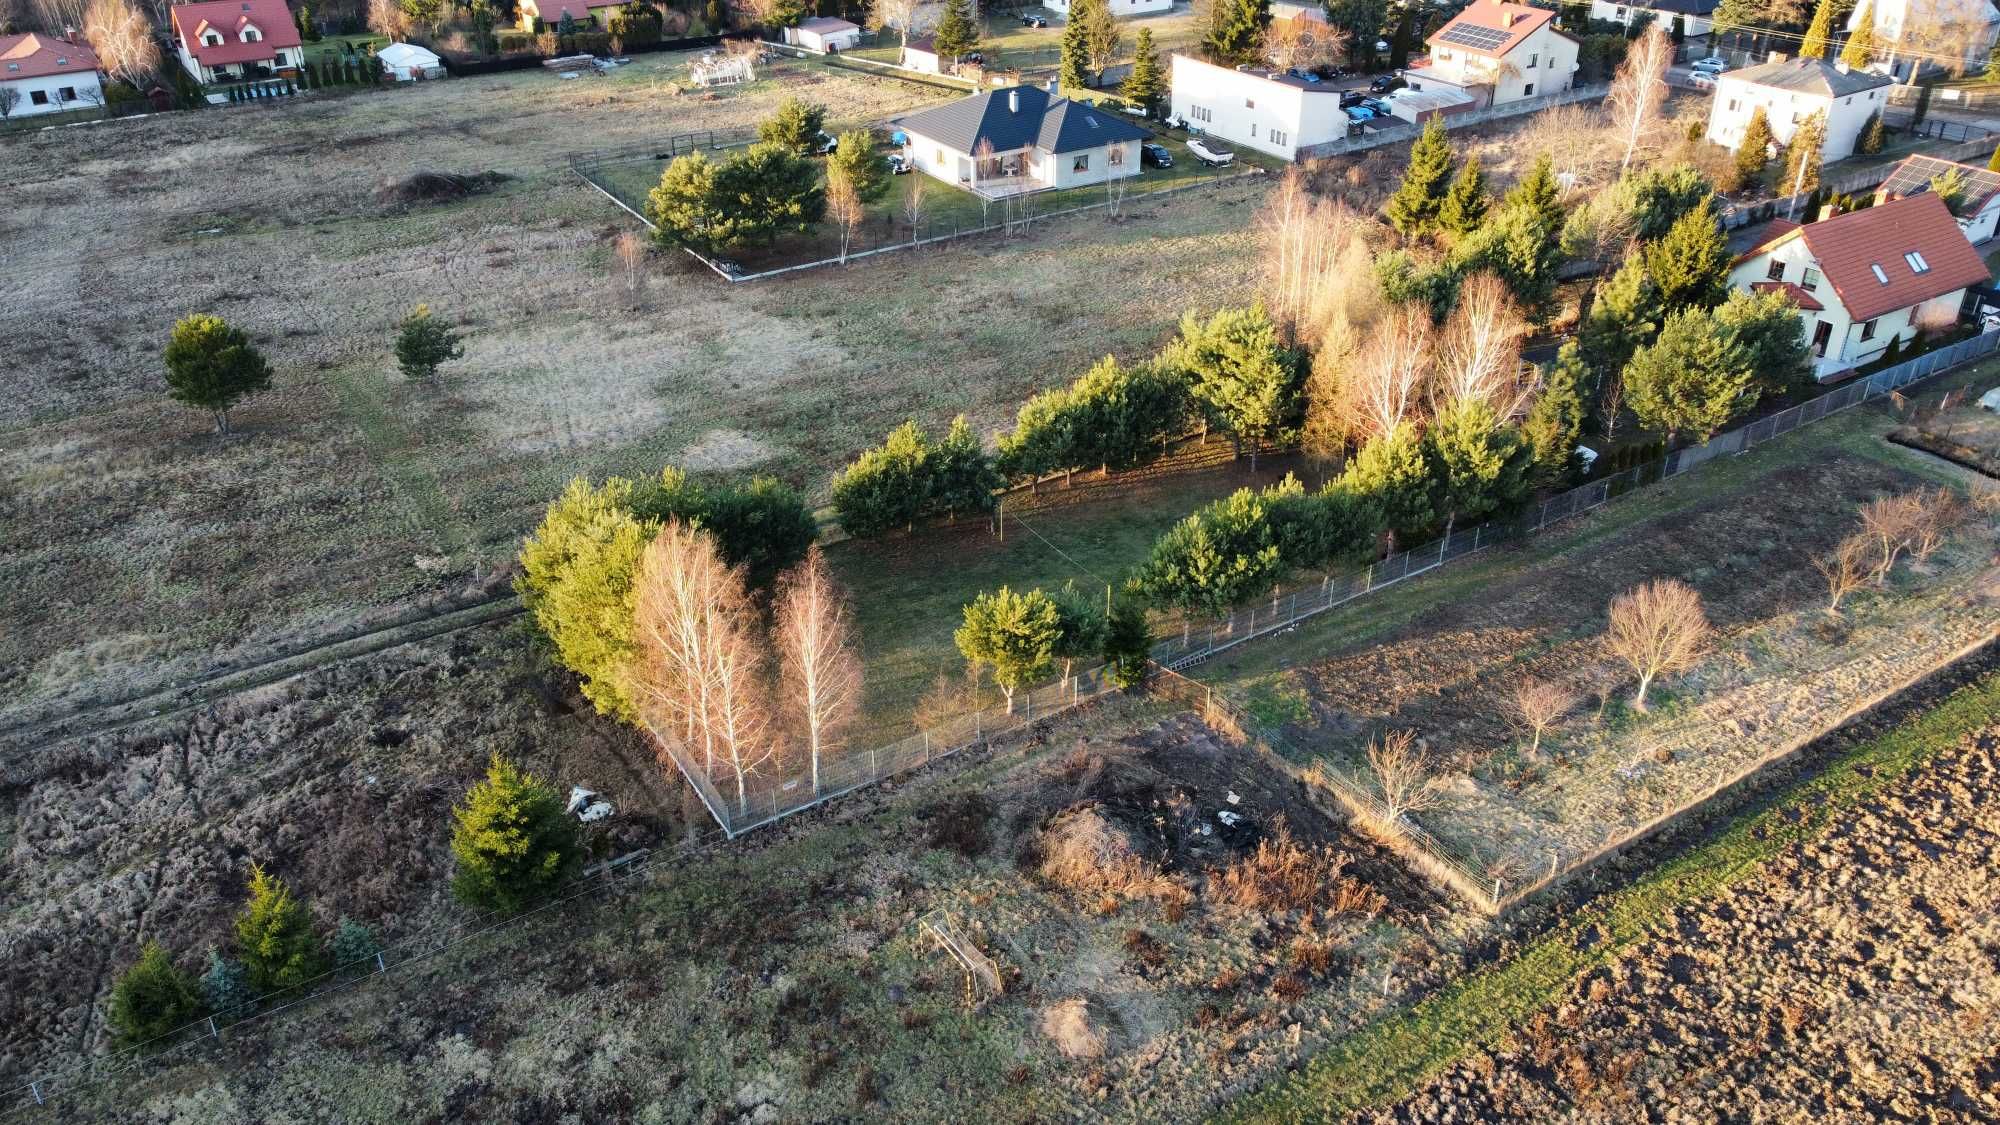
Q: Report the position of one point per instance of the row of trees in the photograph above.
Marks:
(1020, 637)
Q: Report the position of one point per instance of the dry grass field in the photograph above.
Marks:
(141, 550)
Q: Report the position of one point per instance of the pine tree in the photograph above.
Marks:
(1478, 466)
(1413, 210)
(855, 160)
(1874, 135)
(1240, 373)
(153, 998)
(1861, 44)
(1466, 204)
(213, 366)
(1522, 242)
(886, 487)
(1539, 192)
(1692, 380)
(513, 840)
(1082, 625)
(1236, 30)
(1622, 319)
(1819, 34)
(1014, 634)
(424, 343)
(1755, 151)
(275, 938)
(1128, 643)
(1554, 423)
(962, 478)
(1766, 328)
(1690, 266)
(1145, 85)
(1074, 59)
(1392, 472)
(957, 31)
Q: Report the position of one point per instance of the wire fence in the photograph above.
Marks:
(1190, 640)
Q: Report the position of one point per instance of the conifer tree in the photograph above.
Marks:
(513, 840)
(1554, 423)
(957, 33)
(1690, 266)
(1860, 47)
(1692, 380)
(1413, 210)
(1240, 373)
(1873, 136)
(1073, 57)
(1013, 634)
(1236, 30)
(1804, 155)
(213, 365)
(886, 487)
(1146, 84)
(153, 997)
(1478, 465)
(1392, 472)
(1081, 623)
(962, 478)
(1623, 318)
(1466, 204)
(1128, 643)
(274, 936)
(1819, 34)
(1755, 150)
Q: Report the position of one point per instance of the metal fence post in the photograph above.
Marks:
(35, 1088)
(380, 966)
(212, 1032)
(927, 747)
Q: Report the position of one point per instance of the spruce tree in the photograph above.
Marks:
(1861, 44)
(1755, 150)
(1128, 643)
(275, 938)
(514, 841)
(1539, 192)
(1236, 30)
(213, 366)
(1819, 34)
(1623, 318)
(153, 997)
(1146, 84)
(1690, 266)
(1465, 205)
(1074, 58)
(1873, 136)
(1692, 380)
(1554, 423)
(1413, 210)
(1478, 466)
(962, 478)
(424, 343)
(957, 31)
(1393, 474)
(225, 990)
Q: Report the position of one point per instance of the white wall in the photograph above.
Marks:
(1058, 169)
(1253, 111)
(840, 40)
(85, 89)
(281, 57)
(1629, 14)
(924, 61)
(1736, 100)
(1845, 348)
(1542, 64)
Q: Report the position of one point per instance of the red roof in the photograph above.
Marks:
(1490, 27)
(1800, 298)
(552, 11)
(272, 19)
(38, 56)
(1852, 248)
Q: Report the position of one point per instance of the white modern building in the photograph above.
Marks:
(1977, 210)
(1020, 139)
(224, 40)
(1867, 277)
(1261, 109)
(1497, 52)
(43, 74)
(1910, 31)
(1790, 91)
(824, 34)
(921, 55)
(1118, 7)
(1696, 17)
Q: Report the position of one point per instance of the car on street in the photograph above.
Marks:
(1156, 154)
(1702, 80)
(1306, 76)
(1351, 97)
(1713, 64)
(900, 165)
(1033, 20)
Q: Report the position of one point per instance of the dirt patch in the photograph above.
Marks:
(724, 450)
(430, 188)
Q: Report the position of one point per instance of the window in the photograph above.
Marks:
(1528, 90)
(939, 160)
(1879, 275)
(1809, 281)
(1253, 128)
(1082, 163)
(1532, 57)
(251, 35)
(66, 94)
(1868, 330)
(1917, 263)
(1200, 114)
(1734, 105)
(1777, 270)
(1279, 137)
(1249, 103)
(38, 97)
(211, 39)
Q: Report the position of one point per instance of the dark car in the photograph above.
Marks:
(1378, 106)
(1034, 21)
(1155, 154)
(1351, 97)
(1385, 83)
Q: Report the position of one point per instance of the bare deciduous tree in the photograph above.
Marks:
(906, 17)
(386, 17)
(822, 673)
(1639, 91)
(1610, 407)
(1537, 706)
(122, 39)
(60, 17)
(1939, 512)
(631, 252)
(1479, 353)
(1845, 569)
(844, 207)
(1303, 44)
(1889, 522)
(1385, 382)
(1405, 780)
(1657, 627)
(9, 98)
(1307, 242)
(1575, 139)
(913, 205)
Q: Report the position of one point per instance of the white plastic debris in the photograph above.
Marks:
(1228, 819)
(1233, 798)
(585, 805)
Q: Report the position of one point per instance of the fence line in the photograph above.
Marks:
(1375, 138)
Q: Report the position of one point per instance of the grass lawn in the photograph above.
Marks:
(329, 48)
(1009, 44)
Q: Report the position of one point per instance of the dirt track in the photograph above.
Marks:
(1855, 979)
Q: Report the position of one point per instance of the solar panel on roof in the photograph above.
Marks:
(1473, 36)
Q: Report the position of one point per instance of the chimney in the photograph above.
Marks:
(1014, 100)
(1840, 65)
(1777, 56)
(1506, 19)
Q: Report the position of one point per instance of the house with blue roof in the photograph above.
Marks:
(1020, 139)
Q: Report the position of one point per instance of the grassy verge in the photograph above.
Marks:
(1393, 1056)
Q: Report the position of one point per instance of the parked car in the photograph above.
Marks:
(1713, 64)
(1386, 82)
(1134, 109)
(1379, 107)
(900, 165)
(1033, 20)
(1156, 154)
(1702, 80)
(1359, 114)
(1351, 97)
(825, 143)
(1302, 75)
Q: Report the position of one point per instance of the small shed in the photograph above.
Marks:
(921, 55)
(407, 62)
(825, 35)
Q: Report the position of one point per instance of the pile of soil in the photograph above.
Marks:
(423, 188)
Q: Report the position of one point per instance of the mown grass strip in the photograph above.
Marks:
(1391, 1057)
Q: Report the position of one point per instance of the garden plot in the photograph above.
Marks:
(1781, 671)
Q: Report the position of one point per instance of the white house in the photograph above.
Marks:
(1792, 90)
(1021, 139)
(824, 34)
(43, 74)
(1696, 17)
(921, 54)
(1909, 31)
(1498, 52)
(1118, 7)
(407, 62)
(1977, 211)
(1867, 277)
(221, 40)
(1261, 109)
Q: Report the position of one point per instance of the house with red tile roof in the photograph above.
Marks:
(229, 40)
(582, 13)
(1862, 279)
(1498, 52)
(43, 74)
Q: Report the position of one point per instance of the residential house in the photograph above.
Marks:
(1977, 211)
(1118, 7)
(1021, 139)
(1498, 52)
(549, 13)
(43, 74)
(1908, 32)
(1696, 17)
(1792, 90)
(921, 54)
(825, 35)
(228, 40)
(1867, 277)
(1256, 108)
